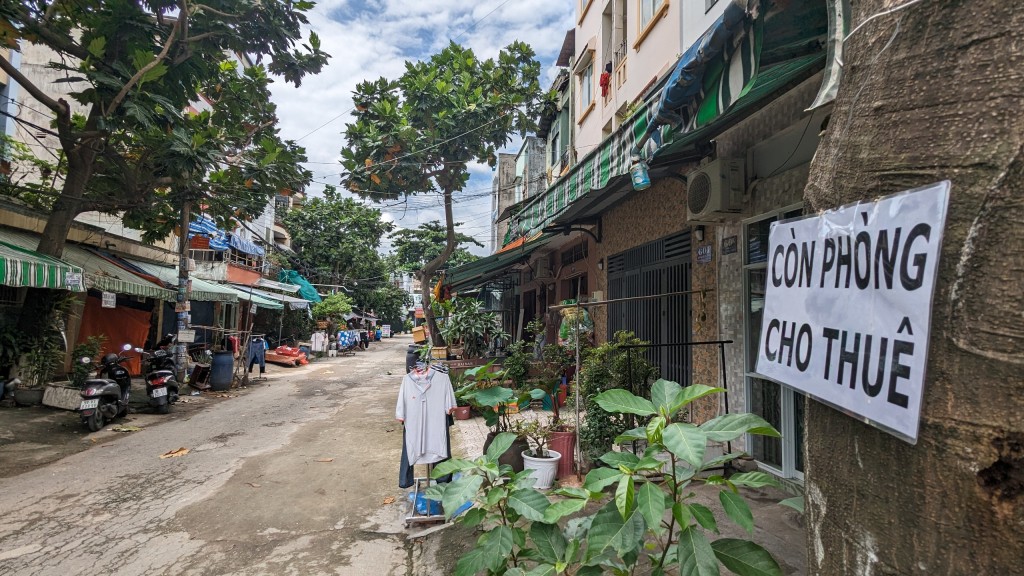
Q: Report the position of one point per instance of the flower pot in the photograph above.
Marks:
(28, 396)
(514, 455)
(544, 469)
(461, 412)
(564, 443)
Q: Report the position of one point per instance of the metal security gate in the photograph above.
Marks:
(659, 267)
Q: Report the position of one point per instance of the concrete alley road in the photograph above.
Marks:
(290, 477)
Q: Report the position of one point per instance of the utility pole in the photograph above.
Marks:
(181, 300)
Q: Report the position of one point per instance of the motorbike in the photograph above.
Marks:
(106, 396)
(161, 384)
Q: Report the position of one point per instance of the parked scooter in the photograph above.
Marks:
(106, 396)
(161, 384)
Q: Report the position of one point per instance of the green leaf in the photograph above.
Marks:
(600, 478)
(663, 395)
(609, 530)
(530, 503)
(618, 401)
(654, 428)
(728, 427)
(500, 444)
(450, 467)
(490, 553)
(460, 491)
(573, 492)
(696, 557)
(702, 514)
(549, 541)
(737, 509)
(686, 441)
(616, 459)
(542, 570)
(745, 558)
(651, 503)
(493, 396)
(681, 512)
(474, 516)
(495, 495)
(98, 46)
(691, 393)
(796, 503)
(753, 479)
(562, 508)
(630, 435)
(624, 495)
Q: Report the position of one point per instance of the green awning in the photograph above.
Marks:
(244, 296)
(767, 85)
(20, 267)
(593, 172)
(100, 273)
(202, 290)
(479, 271)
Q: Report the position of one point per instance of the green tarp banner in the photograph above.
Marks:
(306, 290)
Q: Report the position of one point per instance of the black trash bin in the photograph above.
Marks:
(411, 357)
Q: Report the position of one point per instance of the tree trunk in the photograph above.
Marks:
(39, 302)
(932, 92)
(428, 270)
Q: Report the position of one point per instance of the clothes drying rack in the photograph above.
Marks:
(419, 486)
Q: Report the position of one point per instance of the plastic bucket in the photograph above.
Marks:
(221, 370)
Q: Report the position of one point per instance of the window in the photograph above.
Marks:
(586, 88)
(648, 10)
(782, 407)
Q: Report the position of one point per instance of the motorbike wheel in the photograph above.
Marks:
(163, 408)
(95, 422)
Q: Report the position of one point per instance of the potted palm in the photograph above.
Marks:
(540, 459)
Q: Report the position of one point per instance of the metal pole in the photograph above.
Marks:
(725, 395)
(181, 300)
(577, 452)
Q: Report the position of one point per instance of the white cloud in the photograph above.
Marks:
(369, 39)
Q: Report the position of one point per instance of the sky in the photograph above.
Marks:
(369, 39)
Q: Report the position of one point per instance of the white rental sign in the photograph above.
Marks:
(848, 304)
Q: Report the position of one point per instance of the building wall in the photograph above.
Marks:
(503, 191)
(777, 191)
(641, 218)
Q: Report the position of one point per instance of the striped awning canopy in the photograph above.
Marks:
(259, 301)
(292, 302)
(202, 290)
(21, 267)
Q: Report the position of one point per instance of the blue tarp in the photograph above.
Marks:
(243, 245)
(205, 226)
(684, 86)
(306, 290)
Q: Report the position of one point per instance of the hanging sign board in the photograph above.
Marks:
(109, 300)
(186, 336)
(848, 299)
(73, 280)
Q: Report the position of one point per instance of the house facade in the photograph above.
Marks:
(720, 101)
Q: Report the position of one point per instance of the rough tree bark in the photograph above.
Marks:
(933, 92)
(428, 270)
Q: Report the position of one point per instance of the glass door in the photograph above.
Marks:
(781, 406)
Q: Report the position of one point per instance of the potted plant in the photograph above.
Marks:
(538, 457)
(492, 401)
(38, 364)
(462, 390)
(549, 386)
(468, 326)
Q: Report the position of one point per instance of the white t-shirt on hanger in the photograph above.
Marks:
(424, 401)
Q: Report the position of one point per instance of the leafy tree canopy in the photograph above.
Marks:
(336, 238)
(414, 247)
(418, 133)
(390, 303)
(334, 306)
(129, 69)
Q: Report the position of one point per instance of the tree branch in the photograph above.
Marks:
(57, 107)
(142, 71)
(217, 12)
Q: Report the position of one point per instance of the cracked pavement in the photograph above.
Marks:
(289, 477)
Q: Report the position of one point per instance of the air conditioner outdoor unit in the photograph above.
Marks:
(714, 192)
(542, 268)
